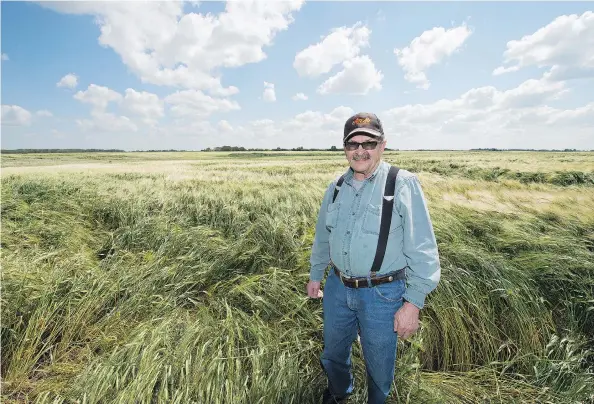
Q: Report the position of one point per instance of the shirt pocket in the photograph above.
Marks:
(372, 220)
(332, 215)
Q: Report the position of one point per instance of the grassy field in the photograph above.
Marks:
(180, 277)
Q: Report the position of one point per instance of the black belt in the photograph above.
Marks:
(375, 280)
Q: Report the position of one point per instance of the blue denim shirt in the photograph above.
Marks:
(347, 232)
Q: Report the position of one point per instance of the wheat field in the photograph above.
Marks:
(180, 278)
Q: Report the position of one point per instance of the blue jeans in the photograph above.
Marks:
(370, 311)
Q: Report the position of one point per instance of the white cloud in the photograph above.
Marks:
(44, 113)
(269, 95)
(483, 106)
(519, 117)
(145, 108)
(530, 93)
(339, 45)
(342, 45)
(487, 117)
(501, 70)
(562, 45)
(358, 76)
(315, 121)
(14, 115)
(164, 46)
(224, 92)
(107, 122)
(5, 57)
(146, 105)
(69, 81)
(300, 97)
(428, 49)
(194, 103)
(98, 96)
(309, 128)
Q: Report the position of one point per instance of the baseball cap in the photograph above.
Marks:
(365, 122)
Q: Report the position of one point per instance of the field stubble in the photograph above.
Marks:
(182, 280)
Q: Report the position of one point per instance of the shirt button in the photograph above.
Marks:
(353, 213)
(356, 194)
(348, 232)
(345, 253)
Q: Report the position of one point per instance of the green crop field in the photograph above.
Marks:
(180, 278)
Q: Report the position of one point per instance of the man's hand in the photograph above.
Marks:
(406, 320)
(313, 290)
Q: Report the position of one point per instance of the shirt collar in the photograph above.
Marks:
(350, 173)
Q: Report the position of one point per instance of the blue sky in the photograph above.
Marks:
(460, 103)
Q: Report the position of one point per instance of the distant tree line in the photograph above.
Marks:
(536, 150)
(241, 148)
(300, 148)
(17, 151)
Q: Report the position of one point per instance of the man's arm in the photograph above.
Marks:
(320, 251)
(420, 245)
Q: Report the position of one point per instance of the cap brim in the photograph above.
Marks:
(365, 131)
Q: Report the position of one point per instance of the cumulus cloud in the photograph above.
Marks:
(98, 96)
(142, 110)
(194, 103)
(358, 76)
(308, 128)
(14, 115)
(299, 97)
(107, 122)
(143, 104)
(561, 45)
(5, 57)
(429, 49)
(69, 81)
(139, 107)
(340, 44)
(485, 116)
(269, 95)
(164, 46)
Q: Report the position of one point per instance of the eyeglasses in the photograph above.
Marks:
(370, 145)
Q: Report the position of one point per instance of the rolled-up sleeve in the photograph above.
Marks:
(419, 245)
(320, 251)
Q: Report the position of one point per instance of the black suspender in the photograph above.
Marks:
(388, 203)
(386, 219)
(337, 187)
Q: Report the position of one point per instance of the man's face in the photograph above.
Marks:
(361, 160)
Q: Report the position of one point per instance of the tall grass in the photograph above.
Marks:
(185, 283)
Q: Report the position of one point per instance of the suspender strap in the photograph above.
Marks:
(388, 204)
(337, 187)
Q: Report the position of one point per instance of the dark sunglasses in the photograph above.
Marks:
(369, 145)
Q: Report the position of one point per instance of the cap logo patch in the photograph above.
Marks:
(361, 121)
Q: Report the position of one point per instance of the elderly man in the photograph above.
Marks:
(375, 233)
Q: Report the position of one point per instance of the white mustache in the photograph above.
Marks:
(358, 157)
